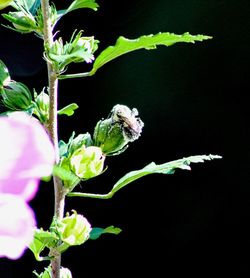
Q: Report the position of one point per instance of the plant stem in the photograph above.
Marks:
(53, 132)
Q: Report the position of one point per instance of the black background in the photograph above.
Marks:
(193, 99)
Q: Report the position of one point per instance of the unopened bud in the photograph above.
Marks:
(87, 162)
(16, 96)
(113, 134)
(42, 102)
(74, 229)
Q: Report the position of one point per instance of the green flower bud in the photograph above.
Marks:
(16, 96)
(87, 162)
(74, 229)
(113, 134)
(42, 106)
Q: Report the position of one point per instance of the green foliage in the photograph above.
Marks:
(97, 232)
(41, 240)
(152, 168)
(124, 45)
(68, 110)
(82, 157)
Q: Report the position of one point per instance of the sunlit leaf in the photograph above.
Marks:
(68, 110)
(124, 45)
(152, 168)
(97, 232)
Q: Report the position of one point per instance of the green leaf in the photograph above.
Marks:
(79, 4)
(41, 240)
(68, 110)
(166, 168)
(97, 232)
(124, 45)
(152, 168)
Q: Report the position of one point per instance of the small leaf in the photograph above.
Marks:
(79, 4)
(97, 232)
(68, 110)
(124, 45)
(41, 240)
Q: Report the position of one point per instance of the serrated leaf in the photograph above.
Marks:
(68, 110)
(166, 168)
(152, 168)
(124, 45)
(97, 232)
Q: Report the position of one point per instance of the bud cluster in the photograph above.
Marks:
(79, 49)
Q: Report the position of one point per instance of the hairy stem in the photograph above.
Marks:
(53, 131)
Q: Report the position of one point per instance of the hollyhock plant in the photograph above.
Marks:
(27, 155)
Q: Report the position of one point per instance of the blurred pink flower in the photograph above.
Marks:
(17, 222)
(27, 155)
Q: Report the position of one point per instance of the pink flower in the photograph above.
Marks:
(27, 155)
(17, 222)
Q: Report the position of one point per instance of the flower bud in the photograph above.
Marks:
(42, 101)
(87, 162)
(113, 134)
(16, 96)
(74, 229)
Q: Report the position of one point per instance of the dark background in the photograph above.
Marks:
(193, 99)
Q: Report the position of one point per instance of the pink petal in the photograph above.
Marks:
(17, 223)
(27, 154)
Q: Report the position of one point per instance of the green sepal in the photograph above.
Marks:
(4, 74)
(70, 180)
(97, 232)
(22, 22)
(66, 149)
(16, 96)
